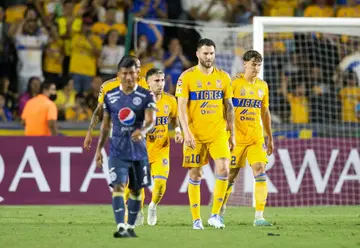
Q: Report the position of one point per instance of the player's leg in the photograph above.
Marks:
(258, 160)
(118, 175)
(219, 151)
(139, 177)
(193, 160)
(238, 160)
(160, 173)
(140, 217)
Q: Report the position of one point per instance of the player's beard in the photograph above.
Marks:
(207, 64)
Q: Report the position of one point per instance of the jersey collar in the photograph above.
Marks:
(135, 88)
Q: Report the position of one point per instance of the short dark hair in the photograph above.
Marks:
(252, 54)
(127, 61)
(153, 71)
(46, 86)
(205, 42)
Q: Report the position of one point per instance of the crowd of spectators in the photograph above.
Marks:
(78, 43)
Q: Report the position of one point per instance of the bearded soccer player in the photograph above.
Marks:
(158, 142)
(105, 87)
(132, 111)
(252, 116)
(205, 110)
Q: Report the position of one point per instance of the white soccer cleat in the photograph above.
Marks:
(215, 221)
(152, 218)
(197, 225)
(140, 218)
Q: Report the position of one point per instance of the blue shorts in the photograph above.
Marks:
(138, 173)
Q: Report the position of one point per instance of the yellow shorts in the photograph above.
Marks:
(254, 153)
(160, 167)
(198, 157)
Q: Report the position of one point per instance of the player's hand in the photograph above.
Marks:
(137, 135)
(99, 159)
(270, 146)
(87, 142)
(232, 143)
(190, 141)
(178, 137)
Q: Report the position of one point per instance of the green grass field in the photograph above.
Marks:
(93, 226)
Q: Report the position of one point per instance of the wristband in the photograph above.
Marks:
(177, 130)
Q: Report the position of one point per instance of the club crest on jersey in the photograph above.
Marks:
(260, 93)
(208, 84)
(127, 116)
(137, 101)
(218, 84)
(166, 109)
(242, 92)
(199, 84)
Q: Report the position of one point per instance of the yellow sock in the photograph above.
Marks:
(194, 198)
(159, 190)
(261, 192)
(127, 193)
(221, 186)
(228, 193)
(142, 198)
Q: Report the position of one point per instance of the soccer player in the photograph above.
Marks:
(205, 111)
(132, 111)
(252, 115)
(158, 143)
(105, 87)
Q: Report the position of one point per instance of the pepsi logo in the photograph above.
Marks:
(127, 116)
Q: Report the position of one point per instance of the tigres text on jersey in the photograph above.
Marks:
(206, 94)
(248, 100)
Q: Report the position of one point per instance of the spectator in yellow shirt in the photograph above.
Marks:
(350, 99)
(86, 48)
(65, 98)
(102, 28)
(319, 9)
(351, 9)
(297, 99)
(80, 111)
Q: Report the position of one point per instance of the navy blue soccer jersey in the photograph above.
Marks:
(127, 114)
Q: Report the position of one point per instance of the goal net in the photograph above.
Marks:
(312, 67)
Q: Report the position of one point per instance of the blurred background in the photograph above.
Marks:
(313, 77)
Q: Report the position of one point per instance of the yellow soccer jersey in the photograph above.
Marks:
(205, 109)
(248, 100)
(115, 82)
(157, 141)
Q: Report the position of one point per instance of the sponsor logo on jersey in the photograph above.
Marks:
(206, 95)
(243, 118)
(126, 116)
(137, 101)
(165, 161)
(246, 112)
(162, 120)
(206, 112)
(207, 105)
(218, 84)
(166, 109)
(199, 84)
(179, 83)
(208, 84)
(260, 93)
(247, 103)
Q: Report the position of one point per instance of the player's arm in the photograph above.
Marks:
(104, 134)
(229, 110)
(266, 120)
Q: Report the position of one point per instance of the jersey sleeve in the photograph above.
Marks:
(265, 101)
(151, 102)
(228, 92)
(173, 112)
(182, 86)
(101, 94)
(52, 113)
(105, 103)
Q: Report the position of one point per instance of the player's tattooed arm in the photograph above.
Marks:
(104, 131)
(229, 115)
(98, 112)
(149, 122)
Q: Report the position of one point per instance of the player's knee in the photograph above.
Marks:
(258, 168)
(119, 188)
(135, 193)
(195, 174)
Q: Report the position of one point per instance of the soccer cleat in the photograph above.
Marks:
(132, 233)
(262, 222)
(152, 218)
(140, 218)
(121, 233)
(215, 221)
(197, 225)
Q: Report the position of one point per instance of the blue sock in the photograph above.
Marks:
(118, 207)
(134, 205)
